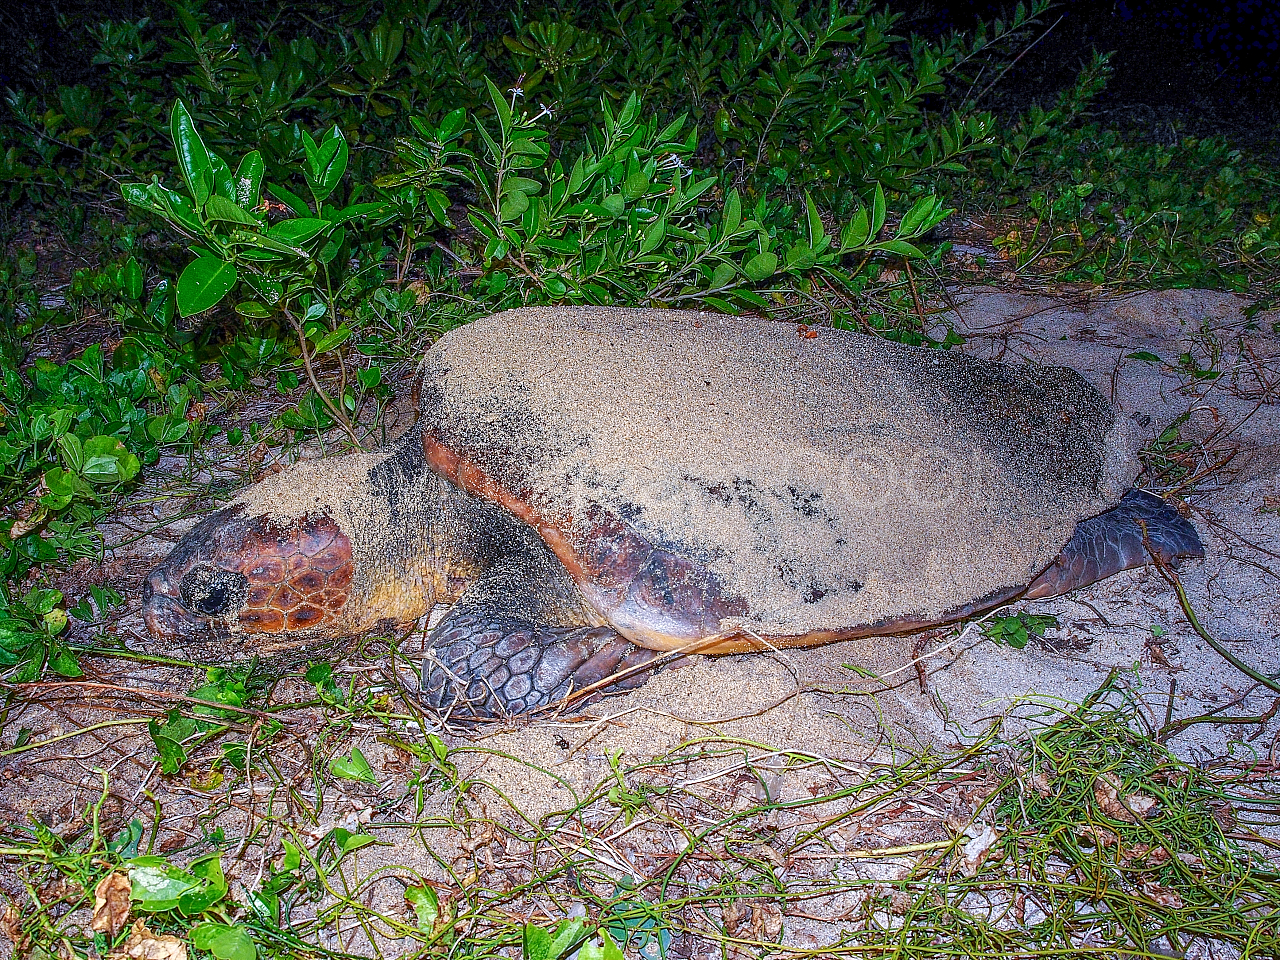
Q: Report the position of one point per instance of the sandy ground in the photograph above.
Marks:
(842, 706)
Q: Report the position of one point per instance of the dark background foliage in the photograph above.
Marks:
(1216, 59)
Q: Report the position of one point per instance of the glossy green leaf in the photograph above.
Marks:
(131, 279)
(877, 211)
(220, 208)
(193, 156)
(500, 105)
(354, 767)
(426, 906)
(157, 884)
(653, 236)
(899, 247)
(225, 941)
(204, 282)
(513, 206)
(224, 184)
(298, 230)
(107, 460)
(248, 180)
(63, 662)
(331, 339)
(331, 164)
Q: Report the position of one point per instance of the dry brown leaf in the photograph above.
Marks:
(1098, 836)
(1165, 896)
(1145, 852)
(1042, 783)
(1106, 791)
(111, 904)
(735, 916)
(766, 921)
(11, 927)
(982, 837)
(142, 944)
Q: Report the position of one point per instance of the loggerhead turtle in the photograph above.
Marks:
(589, 485)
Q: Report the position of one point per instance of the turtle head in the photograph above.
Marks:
(237, 573)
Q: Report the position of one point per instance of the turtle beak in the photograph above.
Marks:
(164, 614)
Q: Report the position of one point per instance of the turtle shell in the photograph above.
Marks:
(742, 483)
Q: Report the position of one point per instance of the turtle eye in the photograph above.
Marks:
(211, 592)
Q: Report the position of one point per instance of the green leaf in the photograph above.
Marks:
(900, 247)
(348, 841)
(298, 230)
(356, 210)
(513, 206)
(107, 460)
(220, 208)
(193, 156)
(576, 177)
(292, 859)
(815, 231)
(426, 906)
(761, 267)
(606, 950)
(252, 310)
(732, 214)
(525, 185)
(225, 941)
(171, 752)
(157, 884)
(63, 485)
(800, 257)
(72, 451)
(636, 185)
(535, 943)
(331, 339)
(877, 211)
(722, 275)
(63, 662)
(248, 180)
(330, 164)
(131, 279)
(653, 236)
(856, 232)
(224, 184)
(204, 282)
(140, 195)
(500, 106)
(355, 767)
(297, 206)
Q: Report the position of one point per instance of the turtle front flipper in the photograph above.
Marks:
(1123, 537)
(517, 639)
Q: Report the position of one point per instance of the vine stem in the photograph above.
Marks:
(1190, 614)
(339, 415)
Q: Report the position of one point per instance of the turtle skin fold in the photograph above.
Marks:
(478, 667)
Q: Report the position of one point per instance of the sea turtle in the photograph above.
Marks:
(588, 485)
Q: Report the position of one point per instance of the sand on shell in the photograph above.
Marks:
(1131, 624)
(829, 480)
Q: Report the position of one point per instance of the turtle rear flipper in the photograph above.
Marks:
(1123, 537)
(518, 639)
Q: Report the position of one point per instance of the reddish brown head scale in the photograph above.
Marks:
(253, 574)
